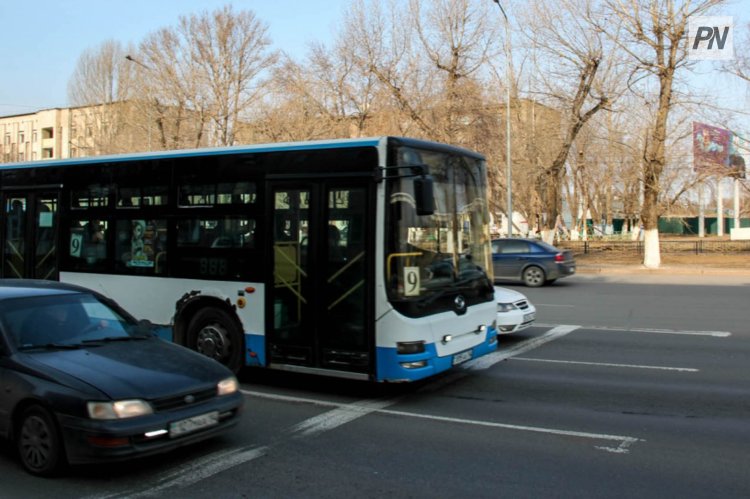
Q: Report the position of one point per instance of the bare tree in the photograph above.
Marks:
(327, 95)
(740, 65)
(428, 60)
(206, 70)
(575, 74)
(655, 33)
(102, 82)
(230, 53)
(458, 38)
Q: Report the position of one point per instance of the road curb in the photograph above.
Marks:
(663, 270)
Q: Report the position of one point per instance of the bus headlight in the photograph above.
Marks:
(409, 347)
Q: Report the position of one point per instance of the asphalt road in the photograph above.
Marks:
(629, 386)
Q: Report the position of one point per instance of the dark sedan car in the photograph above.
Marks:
(529, 260)
(83, 382)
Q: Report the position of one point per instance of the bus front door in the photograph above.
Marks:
(29, 242)
(319, 307)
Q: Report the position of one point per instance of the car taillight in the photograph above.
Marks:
(559, 257)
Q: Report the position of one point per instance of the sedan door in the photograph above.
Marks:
(509, 256)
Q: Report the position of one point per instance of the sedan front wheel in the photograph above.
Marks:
(38, 441)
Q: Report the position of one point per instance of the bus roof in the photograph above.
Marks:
(253, 148)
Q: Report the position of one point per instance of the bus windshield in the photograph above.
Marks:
(425, 255)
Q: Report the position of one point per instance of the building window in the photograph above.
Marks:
(48, 153)
(48, 133)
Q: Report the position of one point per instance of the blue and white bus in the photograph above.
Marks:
(361, 258)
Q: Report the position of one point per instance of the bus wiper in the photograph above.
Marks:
(457, 286)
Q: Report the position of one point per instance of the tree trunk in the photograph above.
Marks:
(652, 256)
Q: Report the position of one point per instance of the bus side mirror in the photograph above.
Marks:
(424, 195)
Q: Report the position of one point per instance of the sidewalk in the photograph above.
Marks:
(666, 269)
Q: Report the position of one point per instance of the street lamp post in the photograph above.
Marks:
(508, 172)
(156, 100)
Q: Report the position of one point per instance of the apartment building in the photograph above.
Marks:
(119, 127)
(41, 135)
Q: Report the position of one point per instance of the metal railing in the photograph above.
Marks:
(636, 247)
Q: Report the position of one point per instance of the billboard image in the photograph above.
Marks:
(717, 150)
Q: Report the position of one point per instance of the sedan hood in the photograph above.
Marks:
(505, 295)
(145, 369)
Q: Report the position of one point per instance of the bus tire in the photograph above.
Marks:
(215, 334)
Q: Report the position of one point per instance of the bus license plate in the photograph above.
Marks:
(462, 357)
(195, 423)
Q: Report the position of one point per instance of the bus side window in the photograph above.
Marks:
(141, 246)
(88, 243)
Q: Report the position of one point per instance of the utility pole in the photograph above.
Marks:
(509, 77)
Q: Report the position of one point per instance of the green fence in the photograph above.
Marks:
(690, 225)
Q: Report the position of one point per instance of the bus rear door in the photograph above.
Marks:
(30, 234)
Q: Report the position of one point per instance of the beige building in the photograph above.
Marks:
(95, 130)
(34, 136)
(58, 133)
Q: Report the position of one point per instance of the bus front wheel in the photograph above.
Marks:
(215, 334)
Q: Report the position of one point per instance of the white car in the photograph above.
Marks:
(514, 311)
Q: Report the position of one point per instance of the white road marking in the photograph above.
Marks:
(349, 412)
(337, 417)
(717, 334)
(622, 448)
(606, 364)
(193, 472)
(493, 358)
(203, 468)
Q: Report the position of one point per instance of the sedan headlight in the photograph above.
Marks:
(227, 386)
(505, 307)
(119, 409)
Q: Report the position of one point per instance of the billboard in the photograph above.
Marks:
(719, 151)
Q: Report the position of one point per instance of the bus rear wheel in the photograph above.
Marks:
(213, 333)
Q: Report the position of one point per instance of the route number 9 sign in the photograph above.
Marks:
(411, 281)
(76, 242)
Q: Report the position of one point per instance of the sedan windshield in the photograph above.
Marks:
(62, 321)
